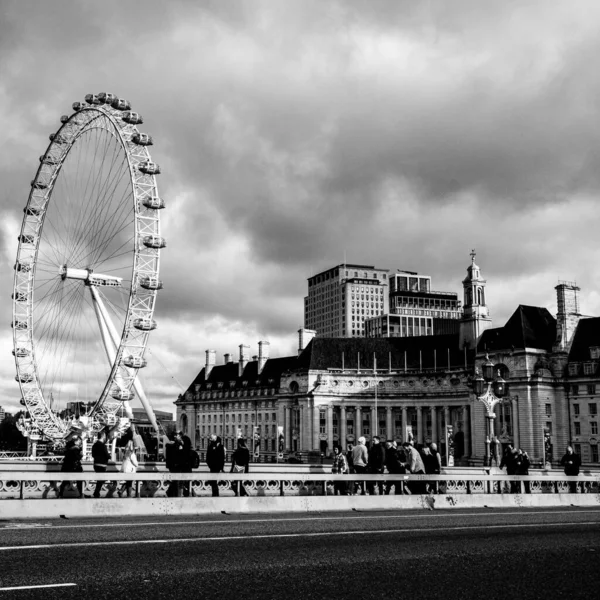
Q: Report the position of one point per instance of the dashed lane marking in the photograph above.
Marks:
(36, 587)
(290, 535)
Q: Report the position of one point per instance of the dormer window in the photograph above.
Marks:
(232, 383)
(594, 352)
(589, 368)
(573, 368)
(220, 384)
(209, 386)
(245, 383)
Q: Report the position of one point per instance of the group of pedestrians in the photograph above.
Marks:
(378, 458)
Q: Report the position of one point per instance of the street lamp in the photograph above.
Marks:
(489, 390)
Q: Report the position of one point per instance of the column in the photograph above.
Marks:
(330, 430)
(467, 429)
(343, 425)
(434, 425)
(515, 420)
(419, 437)
(286, 428)
(357, 423)
(389, 424)
(404, 423)
(302, 427)
(315, 427)
(374, 422)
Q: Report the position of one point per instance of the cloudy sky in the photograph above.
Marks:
(292, 134)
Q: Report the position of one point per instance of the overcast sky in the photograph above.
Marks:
(292, 134)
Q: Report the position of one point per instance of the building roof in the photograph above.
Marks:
(528, 327)
(415, 352)
(587, 334)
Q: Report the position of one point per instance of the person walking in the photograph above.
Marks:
(129, 465)
(393, 466)
(376, 465)
(340, 467)
(509, 460)
(414, 465)
(360, 460)
(101, 457)
(184, 460)
(72, 464)
(171, 462)
(215, 460)
(522, 466)
(240, 463)
(571, 463)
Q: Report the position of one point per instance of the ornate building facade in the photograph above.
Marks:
(338, 389)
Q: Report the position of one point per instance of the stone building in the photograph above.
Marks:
(420, 387)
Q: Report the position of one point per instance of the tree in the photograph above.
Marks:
(10, 437)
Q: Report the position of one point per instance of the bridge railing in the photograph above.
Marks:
(28, 484)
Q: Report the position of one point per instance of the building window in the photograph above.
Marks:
(322, 422)
(549, 427)
(594, 427)
(594, 449)
(576, 409)
(335, 424)
(577, 448)
(548, 410)
(593, 408)
(577, 428)
(591, 388)
(575, 389)
(366, 423)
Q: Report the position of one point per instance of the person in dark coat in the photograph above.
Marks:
(215, 460)
(394, 466)
(509, 460)
(522, 466)
(72, 464)
(171, 462)
(571, 463)
(101, 457)
(376, 464)
(184, 460)
(240, 463)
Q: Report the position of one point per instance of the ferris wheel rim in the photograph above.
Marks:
(145, 261)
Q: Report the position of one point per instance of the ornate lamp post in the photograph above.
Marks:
(489, 390)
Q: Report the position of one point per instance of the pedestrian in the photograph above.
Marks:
(393, 466)
(360, 460)
(184, 460)
(509, 460)
(376, 465)
(414, 465)
(522, 466)
(240, 463)
(571, 463)
(101, 458)
(129, 465)
(171, 462)
(215, 460)
(340, 467)
(72, 464)
(350, 461)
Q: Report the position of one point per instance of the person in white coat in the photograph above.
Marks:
(129, 465)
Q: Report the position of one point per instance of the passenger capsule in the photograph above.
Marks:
(22, 401)
(106, 98)
(33, 211)
(20, 325)
(26, 238)
(151, 283)
(24, 378)
(20, 352)
(64, 118)
(149, 168)
(92, 99)
(19, 296)
(154, 241)
(142, 139)
(154, 202)
(144, 324)
(23, 267)
(121, 104)
(121, 394)
(39, 185)
(132, 118)
(135, 362)
(77, 106)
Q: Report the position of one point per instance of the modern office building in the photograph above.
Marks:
(340, 299)
(2, 414)
(415, 310)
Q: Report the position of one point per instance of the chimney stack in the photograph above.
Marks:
(304, 338)
(263, 355)
(244, 355)
(567, 316)
(211, 359)
(227, 358)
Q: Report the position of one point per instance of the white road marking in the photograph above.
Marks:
(341, 517)
(35, 587)
(287, 535)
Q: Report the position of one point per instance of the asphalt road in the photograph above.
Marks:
(508, 554)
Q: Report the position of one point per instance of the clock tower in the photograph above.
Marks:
(476, 315)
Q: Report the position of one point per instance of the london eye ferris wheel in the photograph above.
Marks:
(87, 268)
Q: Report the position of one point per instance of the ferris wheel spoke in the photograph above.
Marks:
(107, 242)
